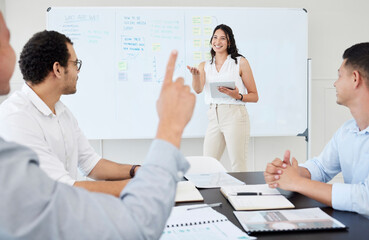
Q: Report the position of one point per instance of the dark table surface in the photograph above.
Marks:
(358, 225)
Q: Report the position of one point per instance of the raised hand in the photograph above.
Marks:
(175, 105)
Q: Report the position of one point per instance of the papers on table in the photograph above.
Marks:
(287, 220)
(201, 223)
(213, 180)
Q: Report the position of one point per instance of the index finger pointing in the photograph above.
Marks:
(170, 67)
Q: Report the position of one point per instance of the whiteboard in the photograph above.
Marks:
(125, 49)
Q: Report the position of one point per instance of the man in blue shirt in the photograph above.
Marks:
(346, 152)
(33, 206)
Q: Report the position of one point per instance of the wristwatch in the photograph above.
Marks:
(241, 97)
(132, 171)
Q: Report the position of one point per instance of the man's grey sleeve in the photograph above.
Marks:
(35, 207)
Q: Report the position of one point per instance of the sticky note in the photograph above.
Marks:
(208, 31)
(207, 20)
(197, 55)
(196, 43)
(196, 31)
(207, 55)
(156, 47)
(207, 43)
(196, 20)
(122, 66)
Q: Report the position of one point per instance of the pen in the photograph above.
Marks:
(207, 205)
(252, 194)
(246, 193)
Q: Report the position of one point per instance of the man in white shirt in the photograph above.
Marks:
(35, 117)
(33, 206)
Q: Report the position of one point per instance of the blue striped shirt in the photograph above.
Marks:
(33, 206)
(346, 152)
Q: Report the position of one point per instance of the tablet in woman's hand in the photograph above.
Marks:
(214, 89)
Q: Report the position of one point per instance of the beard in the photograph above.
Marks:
(70, 88)
(69, 91)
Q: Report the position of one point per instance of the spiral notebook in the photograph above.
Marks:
(287, 220)
(201, 223)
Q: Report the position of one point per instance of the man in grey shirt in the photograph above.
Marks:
(33, 206)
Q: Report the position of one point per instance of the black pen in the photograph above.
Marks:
(251, 194)
(247, 193)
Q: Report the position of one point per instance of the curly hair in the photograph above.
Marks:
(41, 52)
(357, 56)
(232, 49)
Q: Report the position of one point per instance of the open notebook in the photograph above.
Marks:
(287, 220)
(201, 223)
(261, 197)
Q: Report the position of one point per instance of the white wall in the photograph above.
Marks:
(334, 25)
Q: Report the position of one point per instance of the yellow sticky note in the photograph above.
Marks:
(207, 20)
(207, 55)
(196, 43)
(156, 47)
(207, 43)
(122, 66)
(208, 31)
(196, 20)
(196, 31)
(197, 55)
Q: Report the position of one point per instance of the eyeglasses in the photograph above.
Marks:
(78, 63)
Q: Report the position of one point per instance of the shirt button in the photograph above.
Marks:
(180, 174)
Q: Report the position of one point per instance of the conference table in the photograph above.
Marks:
(358, 225)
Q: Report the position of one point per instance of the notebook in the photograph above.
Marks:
(287, 220)
(187, 192)
(267, 198)
(201, 223)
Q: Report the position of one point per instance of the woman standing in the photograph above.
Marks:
(228, 118)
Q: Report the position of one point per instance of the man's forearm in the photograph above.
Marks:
(109, 170)
(321, 192)
(110, 187)
(172, 136)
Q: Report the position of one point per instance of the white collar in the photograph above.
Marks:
(355, 128)
(39, 104)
